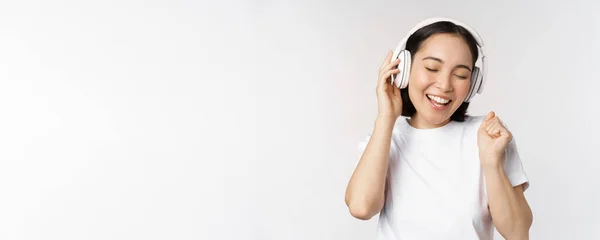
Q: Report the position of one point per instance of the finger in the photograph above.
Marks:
(496, 120)
(387, 59)
(493, 134)
(389, 73)
(383, 79)
(491, 126)
(484, 122)
(499, 121)
(494, 129)
(489, 116)
(505, 133)
(488, 124)
(502, 128)
(391, 65)
(497, 131)
(397, 92)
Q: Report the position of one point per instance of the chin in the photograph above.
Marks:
(436, 116)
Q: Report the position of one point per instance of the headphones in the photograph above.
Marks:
(477, 75)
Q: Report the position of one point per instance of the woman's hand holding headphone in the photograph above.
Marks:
(389, 101)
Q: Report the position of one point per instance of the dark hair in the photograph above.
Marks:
(413, 44)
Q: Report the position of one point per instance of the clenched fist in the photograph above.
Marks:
(492, 140)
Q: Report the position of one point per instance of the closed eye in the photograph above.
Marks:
(461, 77)
(435, 70)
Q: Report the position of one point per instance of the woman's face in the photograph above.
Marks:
(439, 79)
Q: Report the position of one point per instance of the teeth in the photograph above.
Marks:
(438, 99)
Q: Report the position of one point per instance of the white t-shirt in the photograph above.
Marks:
(435, 185)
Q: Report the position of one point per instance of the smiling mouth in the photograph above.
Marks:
(438, 101)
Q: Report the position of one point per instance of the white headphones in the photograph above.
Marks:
(477, 75)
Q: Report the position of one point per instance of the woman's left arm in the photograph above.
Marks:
(508, 207)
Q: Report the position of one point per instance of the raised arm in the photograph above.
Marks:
(508, 207)
(366, 188)
(365, 193)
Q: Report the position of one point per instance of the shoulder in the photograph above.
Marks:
(474, 119)
(401, 125)
(398, 129)
(472, 122)
(402, 130)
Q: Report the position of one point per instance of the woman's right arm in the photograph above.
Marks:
(365, 194)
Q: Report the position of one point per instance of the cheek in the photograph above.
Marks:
(461, 89)
(420, 80)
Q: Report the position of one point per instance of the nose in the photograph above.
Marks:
(444, 82)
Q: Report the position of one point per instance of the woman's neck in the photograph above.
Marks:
(417, 121)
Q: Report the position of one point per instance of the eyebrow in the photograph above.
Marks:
(440, 60)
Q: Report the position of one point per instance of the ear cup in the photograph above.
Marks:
(406, 70)
(397, 77)
(476, 78)
(401, 79)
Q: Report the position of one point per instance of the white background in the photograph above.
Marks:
(240, 120)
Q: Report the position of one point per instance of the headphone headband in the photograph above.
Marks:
(429, 21)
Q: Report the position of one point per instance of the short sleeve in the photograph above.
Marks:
(513, 166)
(362, 145)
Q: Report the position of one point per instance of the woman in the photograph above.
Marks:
(428, 169)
